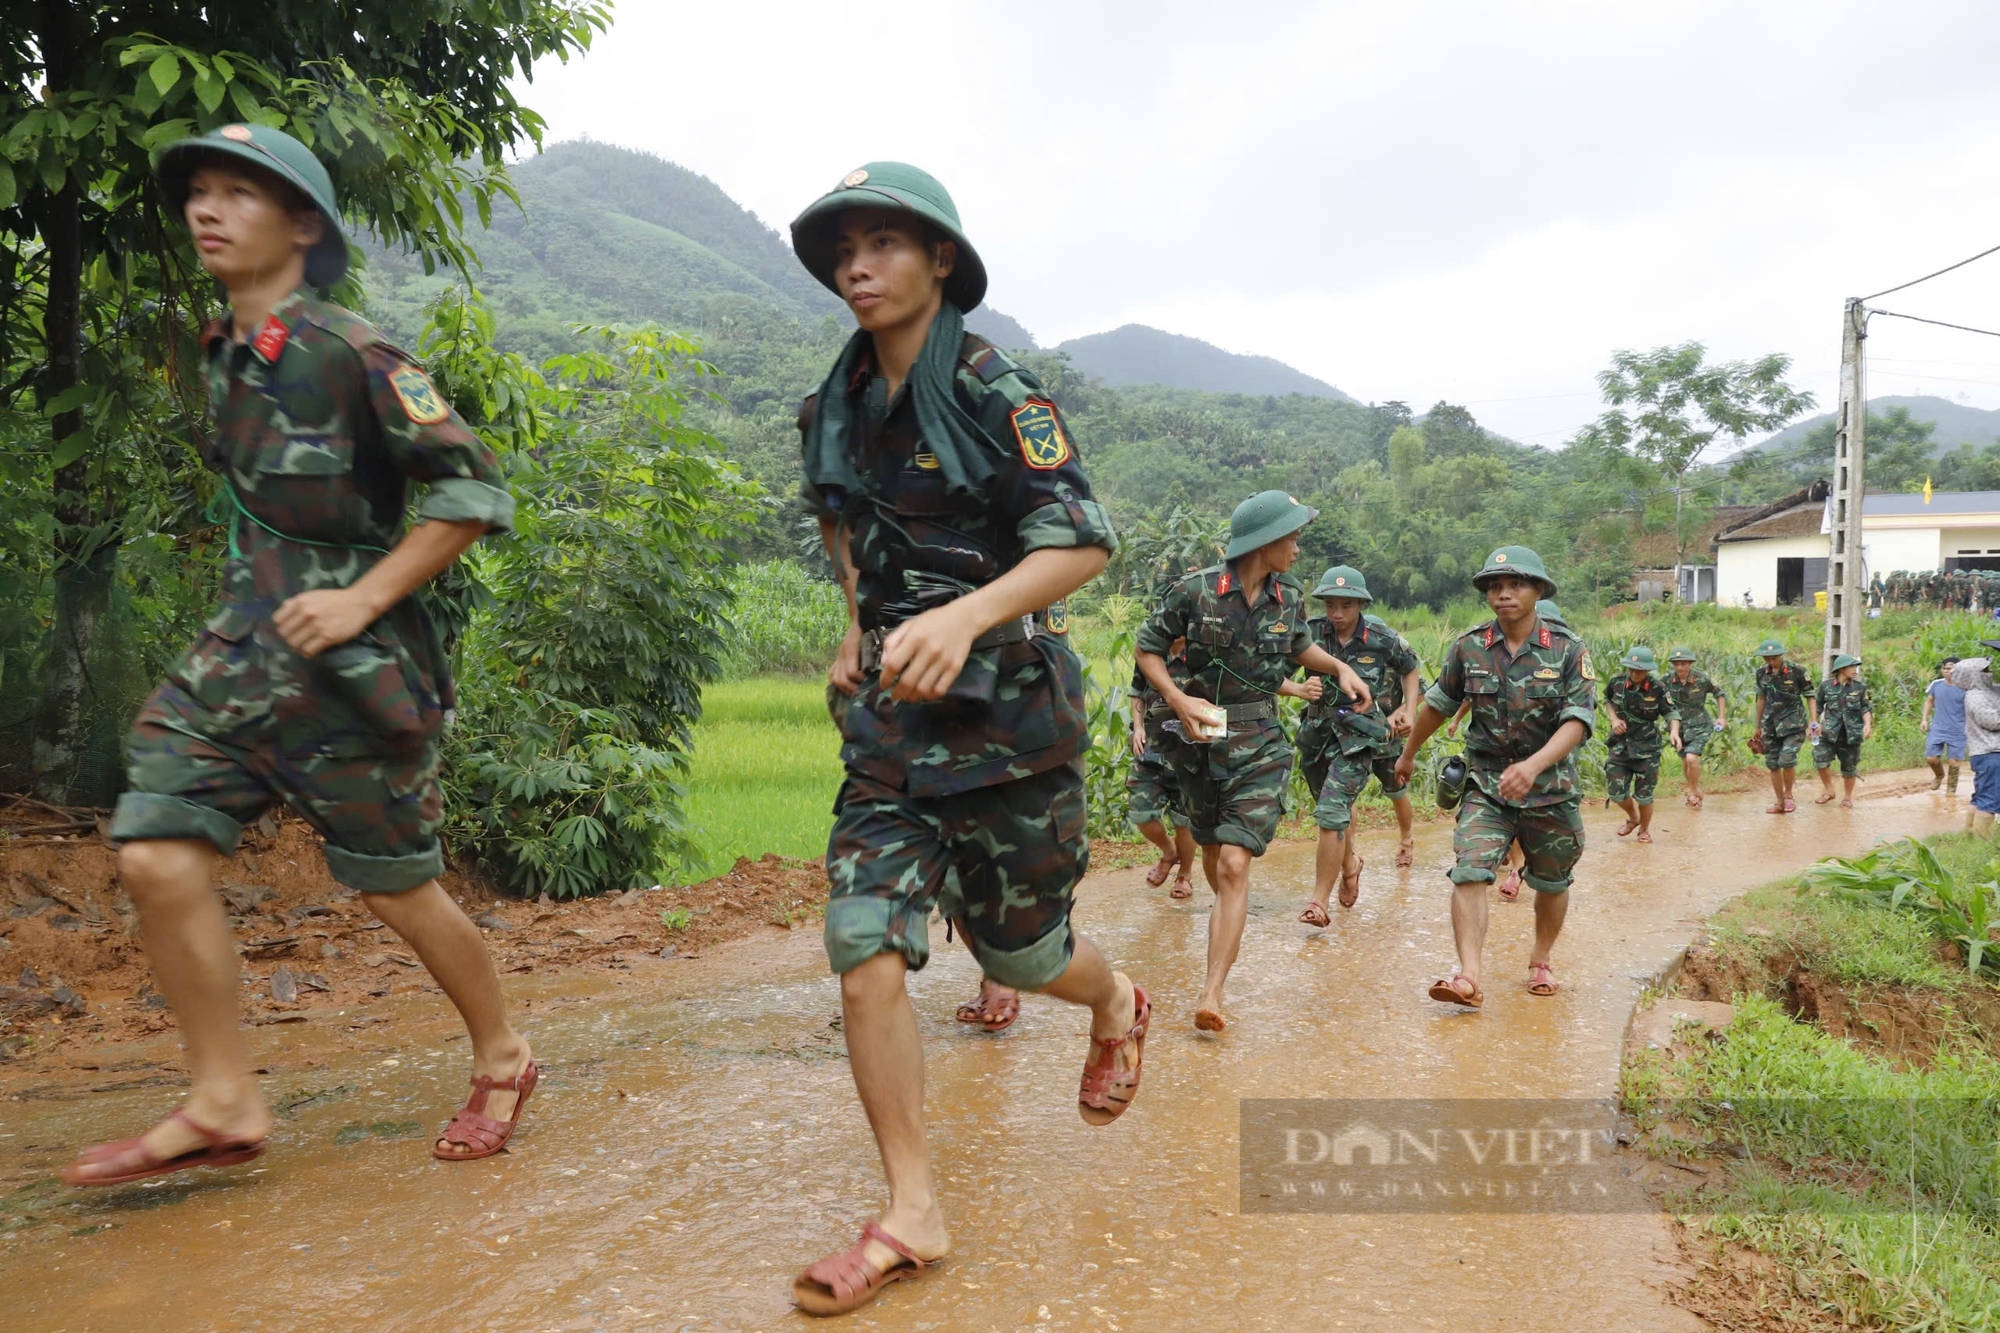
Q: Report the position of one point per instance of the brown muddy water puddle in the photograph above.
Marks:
(696, 1140)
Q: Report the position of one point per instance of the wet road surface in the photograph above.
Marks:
(695, 1139)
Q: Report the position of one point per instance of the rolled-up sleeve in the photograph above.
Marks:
(1579, 696)
(429, 443)
(1448, 690)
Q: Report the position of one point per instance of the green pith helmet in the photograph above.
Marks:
(1639, 659)
(1263, 518)
(1549, 611)
(1846, 660)
(892, 185)
(1515, 560)
(1681, 655)
(282, 156)
(1770, 648)
(1344, 581)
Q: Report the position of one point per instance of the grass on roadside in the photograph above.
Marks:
(1876, 1184)
(765, 770)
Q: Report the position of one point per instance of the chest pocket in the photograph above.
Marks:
(1213, 635)
(1483, 693)
(923, 491)
(1280, 642)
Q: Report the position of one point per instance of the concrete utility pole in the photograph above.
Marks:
(1846, 597)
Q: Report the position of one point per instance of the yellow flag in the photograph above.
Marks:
(1927, 490)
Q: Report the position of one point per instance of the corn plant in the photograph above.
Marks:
(1906, 876)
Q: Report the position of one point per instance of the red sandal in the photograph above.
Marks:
(847, 1281)
(473, 1129)
(1350, 882)
(218, 1150)
(997, 1016)
(1106, 1087)
(1445, 991)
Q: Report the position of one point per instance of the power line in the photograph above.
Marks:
(1928, 276)
(1962, 328)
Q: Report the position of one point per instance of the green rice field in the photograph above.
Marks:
(766, 767)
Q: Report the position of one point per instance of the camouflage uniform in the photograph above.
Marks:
(1153, 785)
(318, 423)
(1691, 700)
(1841, 709)
(1632, 769)
(1518, 703)
(1338, 748)
(1784, 693)
(1233, 790)
(987, 781)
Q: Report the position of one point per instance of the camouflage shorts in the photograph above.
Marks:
(242, 724)
(1339, 779)
(1152, 790)
(1018, 849)
(1551, 839)
(1632, 776)
(1782, 750)
(1849, 755)
(1694, 740)
(1233, 791)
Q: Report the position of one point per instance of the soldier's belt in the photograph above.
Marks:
(1263, 708)
(1011, 631)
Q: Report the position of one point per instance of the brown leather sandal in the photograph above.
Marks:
(1183, 887)
(1316, 915)
(997, 1016)
(1106, 1087)
(1350, 882)
(473, 1129)
(1542, 981)
(847, 1281)
(1445, 991)
(138, 1163)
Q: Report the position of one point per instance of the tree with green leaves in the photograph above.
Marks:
(1670, 405)
(411, 105)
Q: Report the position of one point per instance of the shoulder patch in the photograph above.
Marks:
(1044, 447)
(1057, 617)
(421, 401)
(1589, 670)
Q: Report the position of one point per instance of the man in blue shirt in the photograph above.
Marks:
(1944, 724)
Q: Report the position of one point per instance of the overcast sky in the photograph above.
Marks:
(1477, 202)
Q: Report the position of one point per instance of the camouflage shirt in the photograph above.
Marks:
(318, 425)
(1691, 697)
(1643, 707)
(1784, 693)
(1236, 653)
(1381, 658)
(1016, 709)
(1518, 702)
(1841, 708)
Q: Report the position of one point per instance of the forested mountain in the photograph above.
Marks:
(1952, 423)
(614, 235)
(1137, 354)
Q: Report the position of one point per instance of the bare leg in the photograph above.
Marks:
(1826, 782)
(1156, 833)
(887, 1058)
(1228, 869)
(1777, 791)
(1937, 772)
(1631, 810)
(1951, 780)
(1646, 822)
(1406, 831)
(1186, 851)
(1847, 790)
(1468, 927)
(1113, 1002)
(1691, 771)
(1329, 858)
(1550, 910)
(450, 946)
(193, 959)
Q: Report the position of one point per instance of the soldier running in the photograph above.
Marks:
(319, 682)
(1846, 718)
(1691, 690)
(1533, 697)
(1637, 703)
(952, 501)
(1244, 622)
(1785, 717)
(1339, 749)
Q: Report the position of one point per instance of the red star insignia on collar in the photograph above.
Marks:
(1222, 586)
(1547, 642)
(271, 338)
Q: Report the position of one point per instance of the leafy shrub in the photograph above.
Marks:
(603, 617)
(1907, 876)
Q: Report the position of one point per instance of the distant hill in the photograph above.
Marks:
(1956, 423)
(1001, 330)
(1136, 354)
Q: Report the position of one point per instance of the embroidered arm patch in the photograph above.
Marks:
(421, 401)
(1044, 447)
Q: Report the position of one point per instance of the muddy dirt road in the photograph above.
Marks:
(696, 1139)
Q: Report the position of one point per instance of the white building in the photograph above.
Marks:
(1778, 554)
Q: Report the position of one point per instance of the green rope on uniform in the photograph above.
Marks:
(215, 513)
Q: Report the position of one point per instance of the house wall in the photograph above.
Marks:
(1754, 565)
(1965, 541)
(1891, 549)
